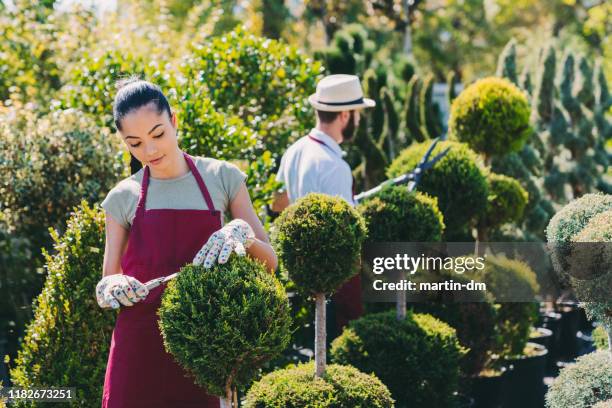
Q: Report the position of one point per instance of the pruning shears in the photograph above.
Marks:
(412, 178)
(153, 283)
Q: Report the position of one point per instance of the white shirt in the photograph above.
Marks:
(312, 167)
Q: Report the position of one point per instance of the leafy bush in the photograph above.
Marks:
(513, 284)
(506, 201)
(582, 384)
(317, 239)
(264, 82)
(491, 116)
(417, 358)
(68, 341)
(223, 323)
(396, 215)
(341, 386)
(600, 338)
(458, 174)
(568, 222)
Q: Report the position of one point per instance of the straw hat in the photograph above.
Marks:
(336, 93)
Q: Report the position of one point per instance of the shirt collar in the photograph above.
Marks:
(328, 140)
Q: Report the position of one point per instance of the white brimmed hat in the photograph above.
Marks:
(340, 92)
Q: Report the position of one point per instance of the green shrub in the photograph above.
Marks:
(514, 286)
(341, 386)
(600, 338)
(397, 215)
(506, 201)
(223, 323)
(417, 358)
(591, 265)
(568, 222)
(264, 82)
(317, 239)
(491, 116)
(49, 164)
(582, 384)
(458, 174)
(68, 341)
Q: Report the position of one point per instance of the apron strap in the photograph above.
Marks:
(145, 187)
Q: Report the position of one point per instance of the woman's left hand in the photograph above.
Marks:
(236, 236)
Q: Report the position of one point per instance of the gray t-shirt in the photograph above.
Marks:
(222, 180)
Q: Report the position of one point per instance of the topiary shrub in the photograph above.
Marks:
(458, 174)
(223, 323)
(600, 338)
(302, 229)
(397, 215)
(67, 343)
(582, 384)
(341, 386)
(514, 286)
(568, 222)
(506, 201)
(491, 116)
(417, 358)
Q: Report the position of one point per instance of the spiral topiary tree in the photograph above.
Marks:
(301, 230)
(457, 174)
(417, 357)
(222, 324)
(492, 117)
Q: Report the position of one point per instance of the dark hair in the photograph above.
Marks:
(327, 117)
(134, 93)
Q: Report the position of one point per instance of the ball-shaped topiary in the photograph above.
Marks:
(582, 384)
(568, 222)
(506, 201)
(397, 215)
(491, 116)
(223, 323)
(318, 241)
(514, 285)
(417, 358)
(456, 180)
(341, 386)
(591, 267)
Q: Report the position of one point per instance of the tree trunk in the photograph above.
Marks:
(407, 32)
(320, 335)
(401, 299)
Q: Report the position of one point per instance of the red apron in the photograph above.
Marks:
(140, 373)
(347, 300)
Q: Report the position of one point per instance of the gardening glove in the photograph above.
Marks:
(116, 289)
(236, 236)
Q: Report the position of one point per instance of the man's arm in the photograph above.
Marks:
(280, 201)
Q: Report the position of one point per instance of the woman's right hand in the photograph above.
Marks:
(118, 289)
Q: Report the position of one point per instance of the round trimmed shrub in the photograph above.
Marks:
(506, 201)
(600, 338)
(568, 222)
(417, 358)
(457, 181)
(67, 342)
(590, 267)
(491, 116)
(341, 386)
(223, 323)
(316, 238)
(397, 215)
(514, 286)
(582, 384)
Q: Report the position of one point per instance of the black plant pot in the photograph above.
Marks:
(570, 324)
(552, 322)
(488, 391)
(525, 381)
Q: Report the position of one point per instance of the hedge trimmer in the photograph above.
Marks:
(412, 178)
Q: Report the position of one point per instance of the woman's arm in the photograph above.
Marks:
(116, 244)
(241, 207)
